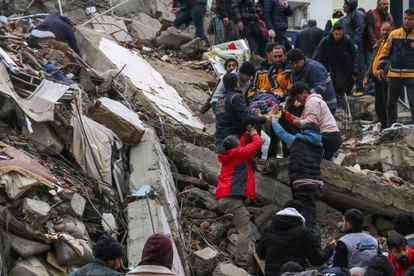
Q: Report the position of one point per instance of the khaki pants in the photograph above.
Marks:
(245, 247)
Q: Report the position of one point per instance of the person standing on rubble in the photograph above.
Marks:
(232, 116)
(398, 53)
(304, 166)
(187, 11)
(381, 85)
(288, 240)
(54, 32)
(157, 257)
(356, 248)
(230, 65)
(235, 185)
(316, 111)
(276, 13)
(247, 21)
(108, 253)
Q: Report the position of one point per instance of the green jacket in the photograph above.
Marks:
(96, 268)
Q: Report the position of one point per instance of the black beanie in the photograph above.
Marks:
(248, 68)
(107, 248)
(294, 55)
(230, 60)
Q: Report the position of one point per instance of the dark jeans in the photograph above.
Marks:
(308, 196)
(362, 69)
(342, 82)
(196, 15)
(255, 37)
(280, 36)
(395, 86)
(331, 142)
(381, 87)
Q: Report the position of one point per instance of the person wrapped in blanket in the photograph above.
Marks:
(271, 82)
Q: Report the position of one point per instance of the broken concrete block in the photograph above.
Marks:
(206, 199)
(173, 38)
(229, 269)
(361, 107)
(112, 26)
(205, 259)
(193, 47)
(109, 223)
(198, 213)
(77, 203)
(27, 248)
(216, 231)
(384, 225)
(29, 267)
(45, 138)
(120, 119)
(144, 26)
(36, 212)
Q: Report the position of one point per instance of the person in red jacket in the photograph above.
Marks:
(236, 184)
(400, 254)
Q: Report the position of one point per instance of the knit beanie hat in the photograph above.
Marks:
(248, 68)
(158, 250)
(107, 248)
(294, 55)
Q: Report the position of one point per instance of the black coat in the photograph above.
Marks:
(354, 24)
(338, 55)
(276, 15)
(232, 116)
(224, 9)
(308, 39)
(305, 159)
(287, 239)
(243, 10)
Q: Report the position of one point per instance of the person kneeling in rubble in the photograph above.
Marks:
(108, 253)
(157, 257)
(236, 184)
(55, 31)
(288, 240)
(304, 168)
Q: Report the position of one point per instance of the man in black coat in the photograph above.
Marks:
(276, 13)
(287, 239)
(308, 39)
(339, 56)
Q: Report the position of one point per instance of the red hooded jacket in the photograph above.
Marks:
(399, 271)
(237, 174)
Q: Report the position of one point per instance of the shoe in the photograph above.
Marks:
(358, 93)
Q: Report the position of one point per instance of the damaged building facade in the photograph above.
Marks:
(113, 147)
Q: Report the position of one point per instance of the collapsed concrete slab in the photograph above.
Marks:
(149, 166)
(146, 86)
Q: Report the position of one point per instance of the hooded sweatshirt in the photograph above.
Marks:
(287, 239)
(354, 24)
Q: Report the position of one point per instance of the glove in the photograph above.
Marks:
(272, 33)
(289, 117)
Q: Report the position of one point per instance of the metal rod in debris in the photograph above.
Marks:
(60, 7)
(149, 210)
(105, 12)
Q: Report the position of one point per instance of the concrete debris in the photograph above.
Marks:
(193, 47)
(27, 248)
(112, 26)
(205, 259)
(77, 204)
(144, 27)
(174, 38)
(121, 120)
(29, 267)
(109, 223)
(228, 269)
(46, 139)
(36, 212)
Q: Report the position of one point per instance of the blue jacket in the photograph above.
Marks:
(62, 28)
(305, 153)
(232, 116)
(318, 79)
(275, 15)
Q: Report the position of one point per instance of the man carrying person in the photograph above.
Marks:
(276, 13)
(108, 253)
(236, 184)
(339, 56)
(232, 116)
(288, 240)
(400, 254)
(354, 24)
(314, 74)
(308, 39)
(356, 248)
(381, 85)
(398, 52)
(245, 17)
